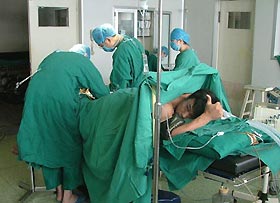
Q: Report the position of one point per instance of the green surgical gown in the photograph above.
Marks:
(186, 59)
(152, 61)
(49, 134)
(127, 64)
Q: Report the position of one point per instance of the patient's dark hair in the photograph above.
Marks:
(200, 97)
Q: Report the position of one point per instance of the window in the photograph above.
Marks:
(239, 20)
(53, 16)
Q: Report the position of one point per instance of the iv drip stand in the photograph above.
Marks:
(157, 110)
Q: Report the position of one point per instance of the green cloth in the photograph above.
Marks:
(233, 128)
(219, 147)
(234, 141)
(127, 64)
(117, 133)
(176, 83)
(108, 127)
(70, 178)
(152, 61)
(181, 172)
(186, 59)
(118, 140)
(49, 135)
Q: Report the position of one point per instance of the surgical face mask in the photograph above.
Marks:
(174, 46)
(107, 49)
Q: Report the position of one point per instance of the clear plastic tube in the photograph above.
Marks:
(145, 63)
(272, 132)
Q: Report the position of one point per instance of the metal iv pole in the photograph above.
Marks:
(157, 110)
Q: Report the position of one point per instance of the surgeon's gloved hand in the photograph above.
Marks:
(87, 92)
(167, 126)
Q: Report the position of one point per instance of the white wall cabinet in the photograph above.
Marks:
(142, 24)
(125, 22)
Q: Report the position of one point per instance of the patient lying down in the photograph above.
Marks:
(202, 107)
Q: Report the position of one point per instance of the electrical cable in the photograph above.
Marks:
(244, 182)
(18, 84)
(258, 135)
(219, 134)
(186, 147)
(246, 186)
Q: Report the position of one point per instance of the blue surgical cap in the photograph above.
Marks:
(81, 49)
(178, 33)
(164, 49)
(100, 33)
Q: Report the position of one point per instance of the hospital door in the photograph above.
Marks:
(235, 48)
(53, 25)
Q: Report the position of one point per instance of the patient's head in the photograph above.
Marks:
(194, 105)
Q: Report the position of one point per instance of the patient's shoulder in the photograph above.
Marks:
(167, 111)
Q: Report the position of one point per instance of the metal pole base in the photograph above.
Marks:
(30, 188)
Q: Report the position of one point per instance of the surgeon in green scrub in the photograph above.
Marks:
(180, 41)
(153, 60)
(49, 136)
(128, 54)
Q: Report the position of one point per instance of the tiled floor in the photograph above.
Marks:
(14, 173)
